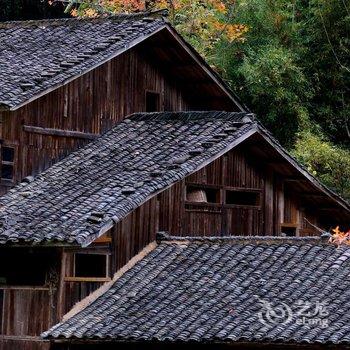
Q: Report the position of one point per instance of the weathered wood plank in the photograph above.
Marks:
(59, 132)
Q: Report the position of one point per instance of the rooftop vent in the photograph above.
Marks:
(172, 166)
(67, 64)
(84, 55)
(230, 130)
(47, 74)
(180, 160)
(27, 86)
(28, 179)
(128, 190)
(207, 144)
(195, 152)
(156, 173)
(113, 38)
(219, 136)
(92, 219)
(101, 46)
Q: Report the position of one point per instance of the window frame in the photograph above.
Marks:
(12, 164)
(201, 206)
(106, 278)
(221, 204)
(290, 226)
(256, 191)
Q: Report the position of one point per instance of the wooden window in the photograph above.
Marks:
(202, 194)
(91, 265)
(289, 230)
(152, 101)
(7, 163)
(243, 197)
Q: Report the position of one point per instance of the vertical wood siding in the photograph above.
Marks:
(169, 211)
(92, 103)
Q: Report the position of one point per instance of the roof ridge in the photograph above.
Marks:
(64, 20)
(246, 118)
(164, 237)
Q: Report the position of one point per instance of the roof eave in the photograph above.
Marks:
(213, 75)
(76, 76)
(110, 224)
(186, 46)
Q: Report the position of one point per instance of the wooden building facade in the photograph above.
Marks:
(250, 188)
(144, 66)
(159, 73)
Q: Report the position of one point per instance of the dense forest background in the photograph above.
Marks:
(288, 60)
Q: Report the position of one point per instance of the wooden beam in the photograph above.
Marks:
(87, 279)
(59, 132)
(296, 179)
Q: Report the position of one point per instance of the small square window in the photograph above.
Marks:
(288, 231)
(90, 265)
(152, 101)
(7, 171)
(8, 154)
(245, 198)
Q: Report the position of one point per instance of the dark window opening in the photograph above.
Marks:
(1, 308)
(288, 231)
(7, 162)
(26, 268)
(202, 195)
(8, 154)
(90, 265)
(152, 101)
(248, 198)
(7, 171)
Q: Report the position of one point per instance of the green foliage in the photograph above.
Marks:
(293, 70)
(269, 73)
(329, 163)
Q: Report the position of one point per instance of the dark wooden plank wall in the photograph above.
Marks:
(20, 305)
(24, 344)
(92, 103)
(26, 313)
(169, 211)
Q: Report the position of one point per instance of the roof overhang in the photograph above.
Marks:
(188, 49)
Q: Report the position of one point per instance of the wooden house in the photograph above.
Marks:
(66, 230)
(222, 293)
(65, 81)
(189, 173)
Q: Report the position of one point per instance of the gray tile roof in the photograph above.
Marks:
(84, 194)
(200, 289)
(36, 56)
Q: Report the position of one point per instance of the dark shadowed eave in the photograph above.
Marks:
(214, 290)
